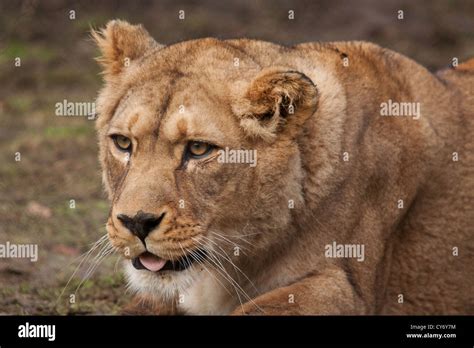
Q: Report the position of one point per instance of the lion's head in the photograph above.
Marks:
(175, 124)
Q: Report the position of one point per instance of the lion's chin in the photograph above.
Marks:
(194, 290)
(163, 285)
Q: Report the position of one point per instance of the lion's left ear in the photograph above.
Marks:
(121, 43)
(278, 100)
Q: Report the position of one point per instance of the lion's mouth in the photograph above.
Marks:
(153, 263)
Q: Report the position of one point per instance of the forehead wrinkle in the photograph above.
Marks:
(220, 104)
(209, 94)
(167, 98)
(132, 121)
(182, 126)
(177, 127)
(123, 102)
(192, 126)
(162, 110)
(117, 118)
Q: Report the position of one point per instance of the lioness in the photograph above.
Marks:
(360, 200)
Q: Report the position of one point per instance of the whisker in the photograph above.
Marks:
(235, 284)
(201, 260)
(227, 277)
(187, 262)
(240, 247)
(116, 263)
(227, 257)
(104, 252)
(85, 256)
(94, 245)
(241, 237)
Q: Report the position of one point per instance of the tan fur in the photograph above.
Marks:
(303, 109)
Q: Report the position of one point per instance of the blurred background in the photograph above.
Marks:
(59, 154)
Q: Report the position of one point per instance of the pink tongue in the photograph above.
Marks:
(151, 262)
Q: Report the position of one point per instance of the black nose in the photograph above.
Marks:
(141, 224)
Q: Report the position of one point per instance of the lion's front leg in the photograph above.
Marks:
(329, 292)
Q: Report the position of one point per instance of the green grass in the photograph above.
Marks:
(63, 132)
(27, 52)
(20, 103)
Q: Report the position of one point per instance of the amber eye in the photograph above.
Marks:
(199, 149)
(122, 142)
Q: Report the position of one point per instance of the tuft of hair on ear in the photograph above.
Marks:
(278, 99)
(120, 43)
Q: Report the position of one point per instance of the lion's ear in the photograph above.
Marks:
(120, 43)
(278, 100)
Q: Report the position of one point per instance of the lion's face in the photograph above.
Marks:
(199, 156)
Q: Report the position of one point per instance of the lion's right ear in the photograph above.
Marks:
(278, 101)
(120, 43)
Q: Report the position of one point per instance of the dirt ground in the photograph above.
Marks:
(59, 154)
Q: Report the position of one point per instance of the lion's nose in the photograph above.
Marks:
(141, 224)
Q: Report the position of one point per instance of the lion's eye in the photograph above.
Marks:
(122, 142)
(199, 149)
